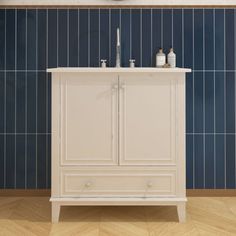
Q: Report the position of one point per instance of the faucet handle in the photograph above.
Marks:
(103, 63)
(132, 63)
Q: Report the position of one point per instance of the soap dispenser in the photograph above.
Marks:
(160, 58)
(171, 58)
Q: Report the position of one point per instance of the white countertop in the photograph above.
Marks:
(118, 70)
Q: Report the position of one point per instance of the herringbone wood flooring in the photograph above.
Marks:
(31, 216)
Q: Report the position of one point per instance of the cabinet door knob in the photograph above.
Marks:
(88, 184)
(149, 184)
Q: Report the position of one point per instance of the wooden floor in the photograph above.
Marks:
(31, 216)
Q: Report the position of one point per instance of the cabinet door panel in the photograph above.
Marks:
(89, 120)
(147, 120)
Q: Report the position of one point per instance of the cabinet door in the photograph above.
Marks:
(147, 119)
(89, 114)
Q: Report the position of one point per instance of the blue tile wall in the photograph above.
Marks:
(32, 40)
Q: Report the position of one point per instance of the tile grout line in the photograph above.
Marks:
(151, 39)
(182, 14)
(99, 36)
(78, 14)
(46, 154)
(193, 104)
(36, 101)
(15, 163)
(214, 79)
(235, 93)
(89, 37)
(130, 33)
(141, 38)
(57, 35)
(5, 97)
(172, 28)
(204, 115)
(109, 64)
(68, 37)
(120, 36)
(162, 28)
(26, 94)
(225, 142)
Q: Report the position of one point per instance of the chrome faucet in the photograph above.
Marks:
(118, 48)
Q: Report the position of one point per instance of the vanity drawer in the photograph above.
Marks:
(117, 182)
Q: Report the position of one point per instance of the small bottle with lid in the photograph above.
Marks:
(160, 58)
(171, 58)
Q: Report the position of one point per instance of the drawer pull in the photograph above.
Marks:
(149, 184)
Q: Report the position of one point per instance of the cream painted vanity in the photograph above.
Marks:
(118, 137)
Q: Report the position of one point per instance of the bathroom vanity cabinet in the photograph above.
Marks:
(118, 137)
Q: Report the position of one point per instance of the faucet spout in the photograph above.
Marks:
(118, 48)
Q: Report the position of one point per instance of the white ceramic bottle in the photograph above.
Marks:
(160, 58)
(171, 58)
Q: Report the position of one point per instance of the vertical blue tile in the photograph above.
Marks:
(42, 35)
(104, 34)
(156, 33)
(62, 37)
(219, 39)
(31, 39)
(10, 102)
(220, 163)
(2, 170)
(94, 38)
(230, 161)
(52, 38)
(219, 102)
(209, 102)
(20, 102)
(189, 102)
(189, 161)
(198, 39)
(146, 38)
(125, 39)
(198, 161)
(10, 161)
(230, 102)
(2, 101)
(198, 102)
(83, 37)
(31, 161)
(136, 36)
(41, 161)
(178, 36)
(41, 100)
(21, 39)
(167, 29)
(73, 38)
(115, 23)
(229, 39)
(20, 161)
(2, 38)
(209, 39)
(10, 39)
(188, 38)
(209, 161)
(31, 102)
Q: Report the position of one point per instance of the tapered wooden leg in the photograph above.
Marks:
(55, 212)
(181, 209)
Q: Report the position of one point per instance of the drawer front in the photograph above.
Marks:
(117, 182)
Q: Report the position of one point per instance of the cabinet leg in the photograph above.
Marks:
(56, 207)
(181, 209)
